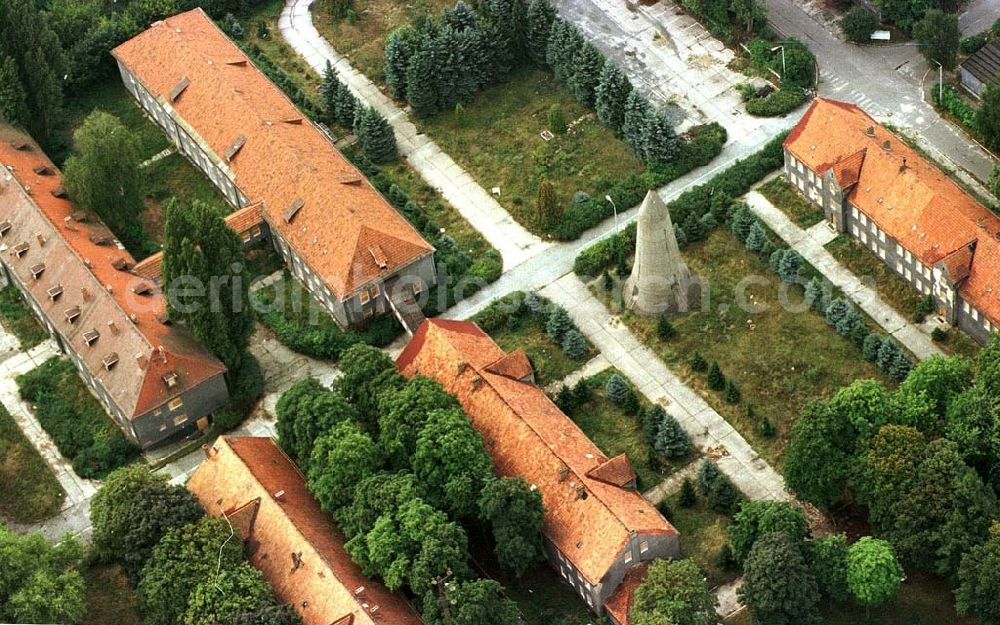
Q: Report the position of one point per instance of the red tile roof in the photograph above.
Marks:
(109, 299)
(619, 604)
(904, 194)
(514, 365)
(589, 520)
(295, 545)
(342, 224)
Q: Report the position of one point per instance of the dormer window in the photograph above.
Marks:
(37, 270)
(20, 249)
(90, 337)
(142, 289)
(170, 379)
(4, 228)
(72, 313)
(110, 361)
(55, 292)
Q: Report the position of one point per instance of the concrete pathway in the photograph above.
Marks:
(809, 243)
(729, 603)
(590, 368)
(709, 432)
(515, 244)
(672, 483)
(74, 517)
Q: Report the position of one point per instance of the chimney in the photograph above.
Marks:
(902, 167)
(162, 352)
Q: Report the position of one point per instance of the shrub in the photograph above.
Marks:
(947, 98)
(671, 440)
(574, 344)
(719, 492)
(971, 45)
(767, 429)
(924, 307)
(617, 389)
(664, 329)
(732, 393)
(687, 496)
(558, 325)
(939, 335)
(557, 121)
(858, 24)
(698, 363)
(776, 103)
(716, 380)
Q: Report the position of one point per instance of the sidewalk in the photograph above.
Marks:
(74, 518)
(709, 432)
(673, 483)
(592, 367)
(809, 244)
(515, 244)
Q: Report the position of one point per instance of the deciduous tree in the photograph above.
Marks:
(938, 35)
(451, 463)
(341, 459)
(39, 582)
(778, 586)
(366, 373)
(403, 414)
(514, 511)
(471, 603)
(674, 592)
(223, 595)
(873, 574)
(979, 578)
(757, 518)
(829, 565)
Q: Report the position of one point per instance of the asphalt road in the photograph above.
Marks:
(887, 81)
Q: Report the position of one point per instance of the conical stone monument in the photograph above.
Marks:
(661, 282)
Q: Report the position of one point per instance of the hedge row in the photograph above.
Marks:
(776, 103)
(692, 208)
(79, 425)
(947, 98)
(701, 144)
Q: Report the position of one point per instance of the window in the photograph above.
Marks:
(110, 361)
(175, 403)
(364, 297)
(375, 292)
(644, 546)
(628, 557)
(180, 419)
(55, 292)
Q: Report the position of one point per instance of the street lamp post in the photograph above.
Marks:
(618, 243)
(782, 48)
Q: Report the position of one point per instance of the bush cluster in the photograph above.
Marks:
(720, 493)
(841, 315)
(81, 429)
(517, 308)
(776, 103)
(947, 98)
(246, 387)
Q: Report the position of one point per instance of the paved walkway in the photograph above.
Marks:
(709, 432)
(729, 602)
(515, 244)
(809, 243)
(590, 368)
(74, 517)
(672, 483)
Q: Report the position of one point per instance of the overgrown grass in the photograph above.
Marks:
(922, 600)
(616, 431)
(703, 535)
(362, 40)
(19, 319)
(497, 139)
(779, 359)
(109, 597)
(78, 424)
(29, 492)
(787, 198)
(275, 48)
(550, 362)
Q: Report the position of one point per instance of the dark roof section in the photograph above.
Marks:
(984, 64)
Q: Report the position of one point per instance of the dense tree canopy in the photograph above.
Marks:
(674, 592)
(979, 579)
(340, 459)
(39, 582)
(306, 412)
(778, 586)
(514, 511)
(366, 372)
(134, 509)
(231, 591)
(470, 603)
(829, 565)
(938, 35)
(451, 463)
(403, 414)
(873, 574)
(757, 518)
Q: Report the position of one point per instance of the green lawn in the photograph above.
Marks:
(786, 197)
(703, 535)
(496, 138)
(891, 287)
(109, 597)
(615, 431)
(551, 363)
(362, 40)
(18, 318)
(778, 358)
(29, 492)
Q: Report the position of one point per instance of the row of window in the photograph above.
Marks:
(979, 317)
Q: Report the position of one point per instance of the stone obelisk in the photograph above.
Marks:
(661, 282)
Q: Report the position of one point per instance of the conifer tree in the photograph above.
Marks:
(659, 141)
(617, 389)
(757, 238)
(541, 16)
(13, 99)
(399, 49)
(329, 92)
(198, 245)
(421, 81)
(574, 344)
(558, 324)
(346, 106)
(635, 121)
(688, 496)
(613, 89)
(548, 206)
(563, 43)
(587, 65)
(716, 380)
(671, 439)
(375, 135)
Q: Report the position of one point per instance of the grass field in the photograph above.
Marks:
(18, 318)
(891, 287)
(362, 40)
(29, 492)
(703, 535)
(616, 432)
(496, 138)
(778, 358)
(788, 199)
(109, 598)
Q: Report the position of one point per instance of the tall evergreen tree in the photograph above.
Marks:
(587, 66)
(199, 248)
(635, 121)
(103, 176)
(346, 106)
(399, 49)
(541, 16)
(13, 98)
(611, 94)
(329, 91)
(659, 141)
(421, 81)
(41, 63)
(375, 135)
(548, 206)
(561, 48)
(988, 116)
